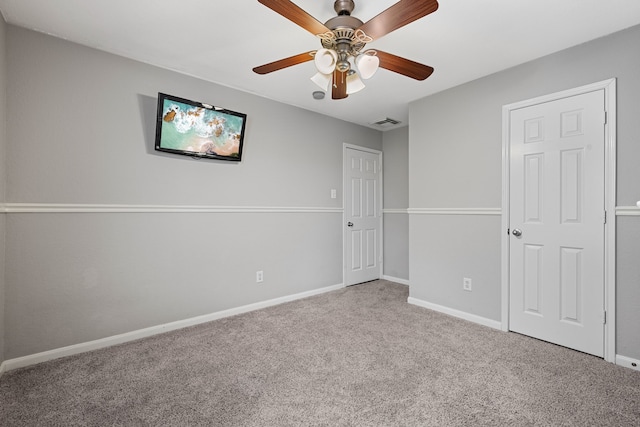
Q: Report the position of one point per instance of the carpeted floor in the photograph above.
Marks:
(360, 356)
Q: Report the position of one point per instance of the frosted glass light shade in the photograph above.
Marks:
(354, 84)
(326, 60)
(322, 80)
(367, 65)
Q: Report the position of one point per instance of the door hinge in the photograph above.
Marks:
(604, 317)
(605, 217)
(606, 117)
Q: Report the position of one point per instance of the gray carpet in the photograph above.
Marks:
(360, 356)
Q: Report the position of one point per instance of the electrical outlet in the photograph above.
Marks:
(259, 276)
(334, 193)
(466, 284)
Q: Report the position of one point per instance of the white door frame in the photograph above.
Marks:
(345, 147)
(609, 87)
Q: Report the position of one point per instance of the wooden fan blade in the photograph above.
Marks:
(296, 15)
(400, 14)
(339, 85)
(403, 66)
(284, 63)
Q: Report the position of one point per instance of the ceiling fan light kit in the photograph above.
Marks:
(326, 60)
(322, 80)
(354, 83)
(341, 60)
(367, 64)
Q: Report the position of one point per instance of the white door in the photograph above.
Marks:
(557, 216)
(363, 221)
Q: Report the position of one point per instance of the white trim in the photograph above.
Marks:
(346, 147)
(610, 164)
(627, 211)
(504, 241)
(454, 211)
(33, 359)
(361, 148)
(395, 211)
(609, 87)
(107, 208)
(396, 280)
(3, 368)
(495, 324)
(628, 362)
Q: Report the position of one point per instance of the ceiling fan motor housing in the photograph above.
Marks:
(343, 21)
(343, 28)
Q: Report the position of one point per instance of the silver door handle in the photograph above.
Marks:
(349, 224)
(517, 232)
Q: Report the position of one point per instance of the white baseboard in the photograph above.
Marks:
(57, 353)
(456, 313)
(396, 280)
(628, 362)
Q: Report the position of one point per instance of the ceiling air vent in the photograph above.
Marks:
(387, 122)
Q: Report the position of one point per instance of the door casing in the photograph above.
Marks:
(609, 87)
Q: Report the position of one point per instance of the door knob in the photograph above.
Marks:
(349, 224)
(517, 232)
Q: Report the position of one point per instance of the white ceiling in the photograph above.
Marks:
(221, 41)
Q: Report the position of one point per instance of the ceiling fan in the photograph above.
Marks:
(342, 62)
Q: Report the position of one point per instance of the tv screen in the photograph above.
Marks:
(198, 130)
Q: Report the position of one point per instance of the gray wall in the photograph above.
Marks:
(395, 145)
(455, 144)
(3, 174)
(80, 131)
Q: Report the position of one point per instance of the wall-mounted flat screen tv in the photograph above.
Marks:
(198, 130)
